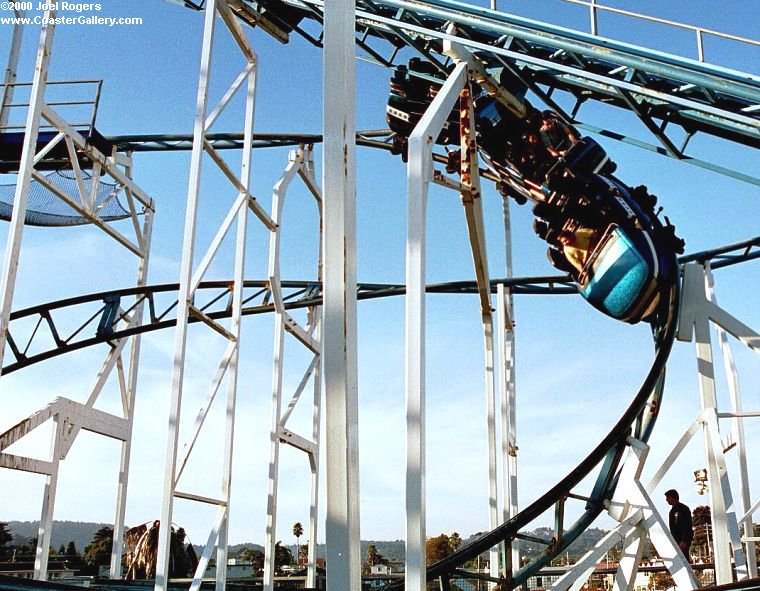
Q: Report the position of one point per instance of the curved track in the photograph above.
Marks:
(40, 345)
(590, 66)
(636, 422)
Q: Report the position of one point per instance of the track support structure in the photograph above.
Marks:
(122, 357)
(699, 310)
(192, 272)
(300, 164)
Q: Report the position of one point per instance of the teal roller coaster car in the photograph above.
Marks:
(602, 232)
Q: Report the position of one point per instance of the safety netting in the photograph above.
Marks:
(45, 208)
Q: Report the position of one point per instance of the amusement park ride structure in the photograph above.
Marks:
(673, 97)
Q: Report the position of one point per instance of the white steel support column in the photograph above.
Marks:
(300, 163)
(9, 79)
(191, 276)
(473, 208)
(419, 175)
(21, 196)
(48, 503)
(508, 412)
(697, 311)
(732, 379)
(68, 425)
(339, 328)
(128, 401)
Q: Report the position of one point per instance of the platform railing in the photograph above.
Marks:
(81, 121)
(699, 32)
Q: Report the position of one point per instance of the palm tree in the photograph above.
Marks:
(297, 532)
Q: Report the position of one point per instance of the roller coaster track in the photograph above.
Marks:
(110, 322)
(675, 98)
(671, 96)
(636, 423)
(37, 334)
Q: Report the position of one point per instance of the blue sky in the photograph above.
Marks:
(576, 370)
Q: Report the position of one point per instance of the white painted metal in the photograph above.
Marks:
(190, 278)
(725, 527)
(419, 174)
(21, 196)
(472, 202)
(507, 397)
(11, 70)
(299, 163)
(732, 379)
(74, 420)
(342, 536)
(129, 394)
(68, 417)
(637, 516)
(493, 489)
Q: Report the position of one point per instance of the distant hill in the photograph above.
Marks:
(79, 532)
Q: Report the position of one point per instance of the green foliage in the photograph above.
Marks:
(5, 536)
(282, 556)
(437, 548)
(254, 556)
(98, 552)
(71, 549)
(297, 530)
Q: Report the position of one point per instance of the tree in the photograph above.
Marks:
(373, 558)
(61, 550)
(142, 552)
(297, 532)
(455, 541)
(282, 556)
(5, 536)
(303, 553)
(98, 552)
(255, 557)
(661, 580)
(71, 549)
(437, 548)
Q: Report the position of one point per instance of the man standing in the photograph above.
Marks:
(680, 522)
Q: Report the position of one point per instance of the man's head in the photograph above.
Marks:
(671, 496)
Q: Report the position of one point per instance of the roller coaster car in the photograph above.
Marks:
(605, 234)
(629, 264)
(411, 96)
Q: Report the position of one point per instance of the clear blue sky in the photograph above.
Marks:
(576, 370)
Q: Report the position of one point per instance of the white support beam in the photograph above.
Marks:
(508, 416)
(298, 163)
(339, 337)
(419, 175)
(190, 278)
(11, 70)
(23, 183)
(722, 512)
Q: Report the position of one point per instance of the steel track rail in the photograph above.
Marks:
(298, 294)
(636, 422)
(674, 97)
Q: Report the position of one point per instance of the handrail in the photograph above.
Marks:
(89, 122)
(699, 31)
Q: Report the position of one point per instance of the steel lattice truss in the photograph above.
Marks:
(675, 98)
(37, 333)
